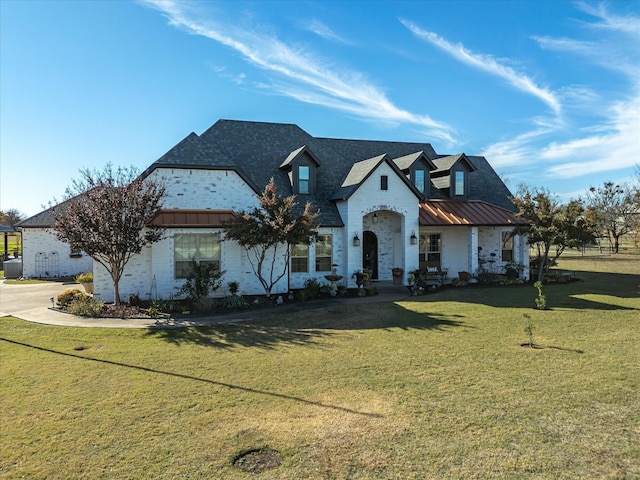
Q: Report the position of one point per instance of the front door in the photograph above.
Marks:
(370, 253)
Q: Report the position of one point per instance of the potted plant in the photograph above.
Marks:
(513, 270)
(366, 278)
(86, 280)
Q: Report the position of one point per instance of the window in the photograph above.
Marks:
(303, 179)
(429, 249)
(459, 185)
(201, 248)
(384, 182)
(419, 180)
(507, 247)
(324, 250)
(300, 258)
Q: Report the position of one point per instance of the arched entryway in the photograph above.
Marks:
(370, 252)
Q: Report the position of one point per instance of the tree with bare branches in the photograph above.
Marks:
(107, 214)
(616, 210)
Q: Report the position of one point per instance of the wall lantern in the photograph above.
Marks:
(375, 218)
(356, 240)
(413, 239)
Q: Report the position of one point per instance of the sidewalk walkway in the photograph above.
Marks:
(33, 304)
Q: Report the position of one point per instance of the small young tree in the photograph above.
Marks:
(268, 233)
(551, 223)
(616, 210)
(107, 214)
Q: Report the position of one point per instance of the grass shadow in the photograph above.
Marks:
(304, 327)
(559, 295)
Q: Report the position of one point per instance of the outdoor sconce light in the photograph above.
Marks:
(413, 239)
(375, 218)
(356, 240)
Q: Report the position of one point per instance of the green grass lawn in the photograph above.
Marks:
(439, 387)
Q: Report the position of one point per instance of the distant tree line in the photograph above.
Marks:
(609, 211)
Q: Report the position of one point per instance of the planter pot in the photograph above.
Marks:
(397, 275)
(512, 273)
(463, 276)
(88, 287)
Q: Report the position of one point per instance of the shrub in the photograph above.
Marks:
(205, 279)
(312, 289)
(233, 302)
(541, 300)
(85, 278)
(233, 287)
(85, 306)
(68, 296)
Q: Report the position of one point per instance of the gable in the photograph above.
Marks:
(363, 170)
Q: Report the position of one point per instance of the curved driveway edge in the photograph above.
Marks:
(33, 303)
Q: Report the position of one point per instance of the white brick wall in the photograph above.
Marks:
(397, 211)
(43, 255)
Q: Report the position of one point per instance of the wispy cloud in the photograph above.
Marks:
(609, 140)
(322, 30)
(628, 24)
(299, 73)
(489, 65)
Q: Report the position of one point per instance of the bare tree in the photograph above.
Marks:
(11, 217)
(269, 231)
(107, 214)
(615, 209)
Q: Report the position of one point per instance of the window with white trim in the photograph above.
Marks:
(324, 251)
(202, 248)
(300, 258)
(507, 247)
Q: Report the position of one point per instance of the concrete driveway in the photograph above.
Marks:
(32, 302)
(26, 300)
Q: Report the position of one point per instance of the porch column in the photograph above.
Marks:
(473, 250)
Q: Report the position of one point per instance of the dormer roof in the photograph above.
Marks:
(297, 153)
(446, 163)
(404, 163)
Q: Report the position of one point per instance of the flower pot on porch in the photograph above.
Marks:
(397, 275)
(463, 276)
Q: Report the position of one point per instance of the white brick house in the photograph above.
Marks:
(382, 205)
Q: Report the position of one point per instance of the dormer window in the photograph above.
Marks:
(418, 180)
(303, 179)
(301, 166)
(459, 183)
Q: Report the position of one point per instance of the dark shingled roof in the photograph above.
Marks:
(257, 150)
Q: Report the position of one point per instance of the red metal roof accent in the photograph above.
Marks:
(465, 212)
(192, 218)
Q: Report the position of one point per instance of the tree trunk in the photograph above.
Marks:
(116, 289)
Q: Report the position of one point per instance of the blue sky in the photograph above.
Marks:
(548, 91)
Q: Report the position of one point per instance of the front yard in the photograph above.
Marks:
(436, 387)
